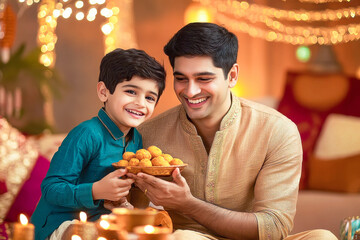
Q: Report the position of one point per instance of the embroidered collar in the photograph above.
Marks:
(114, 131)
(233, 113)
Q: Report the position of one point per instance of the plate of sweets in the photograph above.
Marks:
(151, 161)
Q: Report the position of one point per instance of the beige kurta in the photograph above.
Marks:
(254, 164)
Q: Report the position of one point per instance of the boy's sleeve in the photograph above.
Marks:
(60, 186)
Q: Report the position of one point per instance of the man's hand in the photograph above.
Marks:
(111, 187)
(122, 203)
(170, 195)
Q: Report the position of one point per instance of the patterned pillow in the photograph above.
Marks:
(23, 170)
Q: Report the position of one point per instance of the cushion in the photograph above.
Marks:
(309, 98)
(340, 175)
(339, 137)
(23, 170)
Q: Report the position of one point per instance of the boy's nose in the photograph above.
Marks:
(140, 101)
(192, 89)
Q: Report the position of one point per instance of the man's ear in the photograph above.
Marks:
(233, 75)
(102, 91)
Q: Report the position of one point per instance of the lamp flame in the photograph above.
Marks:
(75, 237)
(83, 217)
(23, 219)
(149, 229)
(105, 224)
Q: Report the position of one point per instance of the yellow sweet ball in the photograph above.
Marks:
(128, 155)
(142, 153)
(167, 157)
(134, 162)
(159, 161)
(154, 151)
(145, 163)
(123, 163)
(176, 161)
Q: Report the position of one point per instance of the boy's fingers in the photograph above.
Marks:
(119, 173)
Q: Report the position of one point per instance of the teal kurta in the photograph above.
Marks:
(84, 157)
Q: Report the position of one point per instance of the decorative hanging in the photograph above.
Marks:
(119, 30)
(288, 26)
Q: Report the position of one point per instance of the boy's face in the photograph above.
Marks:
(132, 102)
(202, 88)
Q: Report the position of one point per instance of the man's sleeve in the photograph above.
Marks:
(277, 185)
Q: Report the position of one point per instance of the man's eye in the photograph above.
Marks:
(130, 91)
(180, 78)
(204, 79)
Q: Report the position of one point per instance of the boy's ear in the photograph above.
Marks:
(233, 75)
(102, 92)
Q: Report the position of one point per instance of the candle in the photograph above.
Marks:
(107, 228)
(23, 230)
(150, 232)
(83, 229)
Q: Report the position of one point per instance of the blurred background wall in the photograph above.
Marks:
(80, 47)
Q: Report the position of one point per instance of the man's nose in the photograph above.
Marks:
(192, 89)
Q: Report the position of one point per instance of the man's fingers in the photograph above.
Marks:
(151, 180)
(178, 179)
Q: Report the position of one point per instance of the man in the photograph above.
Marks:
(244, 159)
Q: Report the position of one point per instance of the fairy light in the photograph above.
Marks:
(322, 1)
(243, 8)
(277, 25)
(46, 33)
(119, 28)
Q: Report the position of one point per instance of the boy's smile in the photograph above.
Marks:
(132, 102)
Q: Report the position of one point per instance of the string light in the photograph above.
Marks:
(46, 33)
(119, 28)
(79, 9)
(245, 17)
(322, 1)
(243, 8)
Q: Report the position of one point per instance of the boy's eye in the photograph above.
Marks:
(130, 91)
(152, 99)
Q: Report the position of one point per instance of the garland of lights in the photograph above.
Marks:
(294, 39)
(243, 8)
(119, 29)
(245, 17)
(322, 1)
(46, 33)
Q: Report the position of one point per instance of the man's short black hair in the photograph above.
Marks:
(204, 39)
(121, 65)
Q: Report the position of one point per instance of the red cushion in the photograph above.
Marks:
(310, 119)
(30, 193)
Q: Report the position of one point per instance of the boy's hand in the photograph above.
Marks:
(111, 187)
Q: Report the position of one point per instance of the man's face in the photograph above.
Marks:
(201, 88)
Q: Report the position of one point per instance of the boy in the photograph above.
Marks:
(81, 177)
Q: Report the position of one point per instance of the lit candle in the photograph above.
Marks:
(23, 230)
(76, 237)
(149, 232)
(108, 229)
(83, 229)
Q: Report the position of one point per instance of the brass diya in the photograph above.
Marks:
(128, 219)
